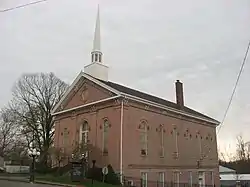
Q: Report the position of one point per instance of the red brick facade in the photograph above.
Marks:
(185, 138)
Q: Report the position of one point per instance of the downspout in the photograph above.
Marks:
(121, 145)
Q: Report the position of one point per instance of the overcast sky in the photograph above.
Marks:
(148, 44)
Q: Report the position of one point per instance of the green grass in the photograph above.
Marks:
(67, 180)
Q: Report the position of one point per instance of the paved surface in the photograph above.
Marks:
(5, 183)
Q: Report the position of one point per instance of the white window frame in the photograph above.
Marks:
(176, 178)
(190, 178)
(84, 131)
(201, 174)
(144, 174)
(212, 177)
(161, 179)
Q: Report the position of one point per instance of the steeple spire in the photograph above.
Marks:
(96, 54)
(97, 68)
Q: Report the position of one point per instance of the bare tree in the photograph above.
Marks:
(8, 131)
(226, 155)
(34, 97)
(242, 151)
(58, 155)
(81, 151)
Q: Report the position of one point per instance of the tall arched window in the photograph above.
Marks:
(161, 131)
(84, 132)
(105, 135)
(144, 137)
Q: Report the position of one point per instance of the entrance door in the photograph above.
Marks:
(201, 178)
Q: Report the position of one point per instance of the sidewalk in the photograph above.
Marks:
(26, 179)
(15, 178)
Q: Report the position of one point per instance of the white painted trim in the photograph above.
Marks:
(101, 84)
(166, 108)
(121, 144)
(96, 62)
(202, 177)
(177, 175)
(82, 74)
(89, 104)
(190, 176)
(71, 87)
(212, 177)
(162, 183)
(146, 176)
(67, 92)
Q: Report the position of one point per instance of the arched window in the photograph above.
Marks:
(84, 132)
(105, 135)
(143, 128)
(161, 131)
(65, 137)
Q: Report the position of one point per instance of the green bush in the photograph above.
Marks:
(111, 177)
(96, 174)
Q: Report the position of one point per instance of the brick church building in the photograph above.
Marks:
(140, 135)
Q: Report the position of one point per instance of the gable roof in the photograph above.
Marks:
(74, 83)
(120, 90)
(224, 170)
(143, 95)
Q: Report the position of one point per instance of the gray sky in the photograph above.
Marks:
(148, 44)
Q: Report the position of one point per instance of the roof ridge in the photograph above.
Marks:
(135, 92)
(143, 92)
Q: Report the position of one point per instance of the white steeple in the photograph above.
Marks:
(97, 37)
(96, 54)
(96, 68)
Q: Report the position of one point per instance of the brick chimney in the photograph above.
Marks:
(179, 94)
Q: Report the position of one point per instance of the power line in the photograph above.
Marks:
(22, 6)
(231, 98)
(235, 86)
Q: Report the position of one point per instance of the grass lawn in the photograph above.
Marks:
(67, 180)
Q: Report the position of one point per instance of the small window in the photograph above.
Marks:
(144, 179)
(161, 179)
(212, 177)
(176, 178)
(143, 152)
(190, 178)
(130, 183)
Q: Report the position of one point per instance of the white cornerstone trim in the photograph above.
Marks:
(82, 106)
(121, 145)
